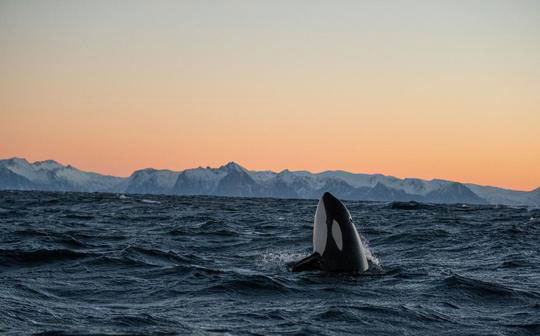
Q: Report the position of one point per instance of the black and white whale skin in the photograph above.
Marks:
(337, 247)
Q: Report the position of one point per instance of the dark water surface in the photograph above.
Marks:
(81, 263)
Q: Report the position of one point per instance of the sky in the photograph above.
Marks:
(426, 89)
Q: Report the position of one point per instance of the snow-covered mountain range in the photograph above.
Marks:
(19, 174)
(234, 180)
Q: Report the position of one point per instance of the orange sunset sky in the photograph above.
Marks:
(427, 89)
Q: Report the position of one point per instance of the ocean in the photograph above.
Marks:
(110, 264)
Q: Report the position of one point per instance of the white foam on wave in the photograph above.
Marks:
(150, 201)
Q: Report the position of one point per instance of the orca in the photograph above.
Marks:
(337, 247)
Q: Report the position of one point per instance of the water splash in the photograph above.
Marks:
(281, 257)
(371, 257)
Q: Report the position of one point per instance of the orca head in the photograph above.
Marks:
(328, 216)
(335, 237)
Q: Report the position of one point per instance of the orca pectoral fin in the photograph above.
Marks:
(310, 263)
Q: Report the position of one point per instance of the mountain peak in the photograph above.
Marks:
(46, 161)
(48, 164)
(17, 160)
(232, 166)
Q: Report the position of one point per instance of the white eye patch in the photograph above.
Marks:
(336, 233)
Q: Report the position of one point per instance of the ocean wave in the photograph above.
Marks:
(155, 255)
(256, 284)
(487, 288)
(38, 257)
(533, 328)
(416, 236)
(210, 227)
(110, 261)
(79, 215)
(31, 233)
(337, 314)
(515, 263)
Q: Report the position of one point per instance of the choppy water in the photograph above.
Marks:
(80, 263)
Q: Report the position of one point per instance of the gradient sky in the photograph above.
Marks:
(428, 89)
